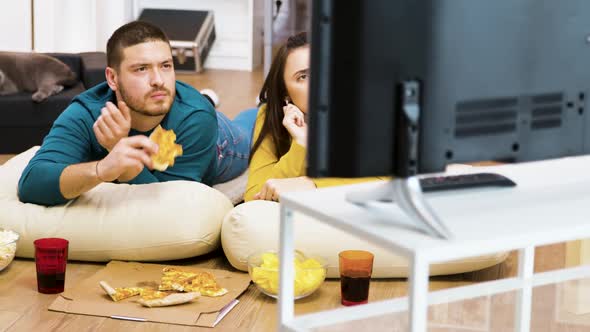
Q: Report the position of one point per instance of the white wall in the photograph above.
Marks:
(111, 14)
(15, 25)
(78, 25)
(86, 25)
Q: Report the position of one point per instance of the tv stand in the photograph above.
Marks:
(482, 222)
(407, 193)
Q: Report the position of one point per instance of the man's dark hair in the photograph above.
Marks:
(130, 34)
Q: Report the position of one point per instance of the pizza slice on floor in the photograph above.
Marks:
(202, 282)
(120, 293)
(183, 281)
(168, 300)
(173, 275)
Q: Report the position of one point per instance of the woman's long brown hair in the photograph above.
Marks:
(273, 93)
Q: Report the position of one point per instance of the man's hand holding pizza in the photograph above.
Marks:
(112, 125)
(128, 156)
(127, 159)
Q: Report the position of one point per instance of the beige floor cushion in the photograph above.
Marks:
(254, 226)
(152, 222)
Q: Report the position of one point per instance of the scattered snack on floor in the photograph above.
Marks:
(176, 287)
(183, 281)
(118, 294)
(171, 299)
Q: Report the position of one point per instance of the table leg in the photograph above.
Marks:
(418, 301)
(526, 264)
(287, 268)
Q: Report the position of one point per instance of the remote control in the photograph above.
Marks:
(447, 182)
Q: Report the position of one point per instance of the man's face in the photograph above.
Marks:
(145, 79)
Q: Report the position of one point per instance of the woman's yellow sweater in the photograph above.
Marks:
(266, 165)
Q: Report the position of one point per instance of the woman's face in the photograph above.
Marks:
(296, 77)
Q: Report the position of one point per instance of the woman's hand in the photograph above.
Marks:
(273, 188)
(294, 122)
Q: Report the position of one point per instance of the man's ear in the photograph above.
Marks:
(111, 76)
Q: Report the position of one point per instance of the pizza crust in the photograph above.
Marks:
(172, 299)
(118, 294)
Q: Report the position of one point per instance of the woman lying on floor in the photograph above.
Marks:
(277, 158)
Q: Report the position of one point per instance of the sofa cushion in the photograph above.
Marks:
(254, 226)
(152, 222)
(92, 69)
(25, 123)
(19, 110)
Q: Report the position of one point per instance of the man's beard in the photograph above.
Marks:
(139, 105)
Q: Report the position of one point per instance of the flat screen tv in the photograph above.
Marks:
(403, 87)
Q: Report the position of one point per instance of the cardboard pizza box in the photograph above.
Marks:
(88, 298)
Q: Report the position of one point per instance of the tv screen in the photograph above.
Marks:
(400, 87)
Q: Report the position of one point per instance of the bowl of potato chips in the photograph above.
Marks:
(310, 273)
(8, 242)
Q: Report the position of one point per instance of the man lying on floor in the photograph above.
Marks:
(103, 135)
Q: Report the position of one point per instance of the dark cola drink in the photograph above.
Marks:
(354, 289)
(51, 283)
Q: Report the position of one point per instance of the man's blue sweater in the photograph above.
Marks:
(72, 141)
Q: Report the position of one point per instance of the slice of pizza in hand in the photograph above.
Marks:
(168, 150)
(118, 294)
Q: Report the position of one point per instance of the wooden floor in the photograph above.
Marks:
(23, 309)
(4, 158)
(237, 90)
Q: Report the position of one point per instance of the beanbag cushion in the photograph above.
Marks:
(151, 222)
(254, 226)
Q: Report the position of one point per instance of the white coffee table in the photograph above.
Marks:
(551, 204)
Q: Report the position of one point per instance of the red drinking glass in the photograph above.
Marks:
(51, 257)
